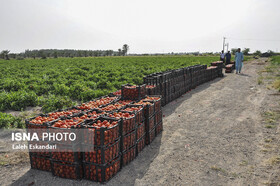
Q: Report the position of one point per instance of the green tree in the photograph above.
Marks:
(5, 54)
(257, 53)
(246, 51)
(55, 54)
(120, 52)
(233, 51)
(125, 49)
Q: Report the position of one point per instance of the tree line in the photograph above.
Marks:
(55, 53)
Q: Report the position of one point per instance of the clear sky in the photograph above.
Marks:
(147, 26)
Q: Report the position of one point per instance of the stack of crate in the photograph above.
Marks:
(229, 68)
(66, 160)
(101, 149)
(158, 112)
(40, 160)
(149, 110)
(138, 111)
(219, 65)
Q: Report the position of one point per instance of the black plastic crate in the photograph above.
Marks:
(101, 155)
(140, 144)
(158, 117)
(114, 107)
(150, 123)
(40, 162)
(140, 130)
(128, 140)
(149, 107)
(150, 136)
(127, 124)
(156, 99)
(95, 113)
(67, 170)
(100, 136)
(70, 112)
(102, 173)
(98, 102)
(67, 153)
(30, 125)
(138, 110)
(133, 92)
(128, 156)
(159, 128)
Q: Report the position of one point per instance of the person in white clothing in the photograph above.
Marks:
(222, 56)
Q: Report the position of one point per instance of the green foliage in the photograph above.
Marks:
(9, 121)
(246, 51)
(52, 83)
(53, 102)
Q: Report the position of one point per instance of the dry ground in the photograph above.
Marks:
(225, 132)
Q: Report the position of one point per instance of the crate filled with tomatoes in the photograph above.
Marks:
(67, 170)
(101, 154)
(101, 131)
(40, 162)
(128, 155)
(127, 121)
(133, 92)
(137, 110)
(149, 107)
(156, 99)
(158, 128)
(99, 102)
(140, 144)
(40, 121)
(102, 173)
(150, 136)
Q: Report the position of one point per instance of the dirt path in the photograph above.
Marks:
(212, 136)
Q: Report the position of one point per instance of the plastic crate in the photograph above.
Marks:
(149, 123)
(30, 125)
(98, 102)
(67, 170)
(100, 136)
(133, 92)
(139, 114)
(101, 155)
(149, 107)
(95, 113)
(127, 124)
(128, 156)
(140, 131)
(101, 173)
(67, 153)
(140, 144)
(158, 117)
(159, 128)
(156, 99)
(128, 140)
(40, 162)
(150, 136)
(70, 112)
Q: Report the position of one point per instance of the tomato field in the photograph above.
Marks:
(62, 82)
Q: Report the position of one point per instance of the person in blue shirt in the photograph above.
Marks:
(228, 58)
(238, 60)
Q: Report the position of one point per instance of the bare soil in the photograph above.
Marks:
(215, 135)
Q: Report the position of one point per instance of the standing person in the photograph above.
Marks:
(238, 60)
(222, 56)
(228, 57)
